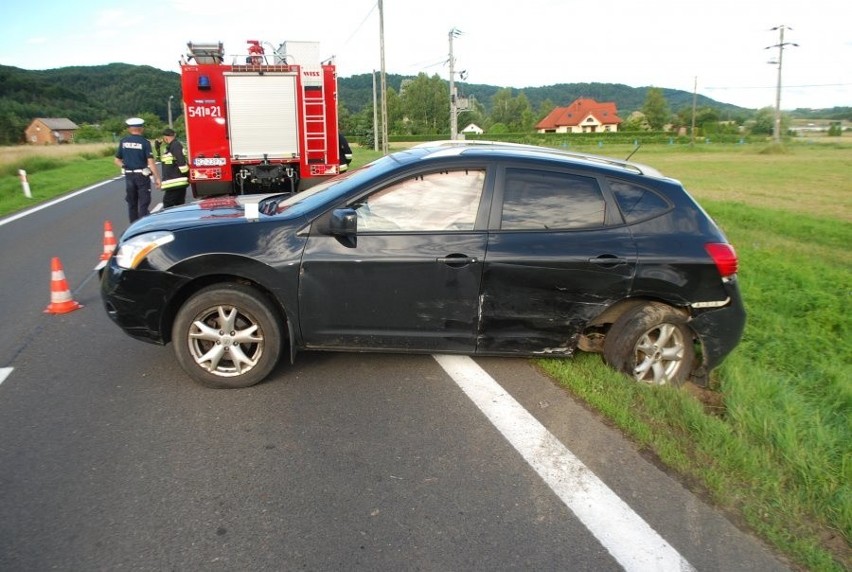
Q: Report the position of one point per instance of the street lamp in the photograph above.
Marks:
(171, 97)
(776, 130)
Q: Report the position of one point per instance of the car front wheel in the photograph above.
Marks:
(227, 336)
(651, 343)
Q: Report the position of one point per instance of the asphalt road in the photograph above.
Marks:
(112, 459)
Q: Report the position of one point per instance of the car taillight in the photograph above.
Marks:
(724, 256)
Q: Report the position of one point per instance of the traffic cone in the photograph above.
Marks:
(109, 241)
(60, 296)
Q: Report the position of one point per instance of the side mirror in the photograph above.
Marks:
(343, 223)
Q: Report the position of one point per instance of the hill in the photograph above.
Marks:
(95, 94)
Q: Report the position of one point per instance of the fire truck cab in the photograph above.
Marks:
(258, 122)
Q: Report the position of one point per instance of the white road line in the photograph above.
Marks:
(4, 373)
(627, 537)
(51, 203)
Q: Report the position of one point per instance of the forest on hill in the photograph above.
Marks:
(105, 95)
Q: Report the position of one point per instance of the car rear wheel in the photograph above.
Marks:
(652, 344)
(227, 336)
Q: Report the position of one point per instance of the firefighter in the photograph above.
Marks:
(345, 153)
(175, 170)
(135, 157)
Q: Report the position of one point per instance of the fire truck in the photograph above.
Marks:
(259, 122)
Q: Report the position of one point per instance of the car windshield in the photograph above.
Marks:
(277, 204)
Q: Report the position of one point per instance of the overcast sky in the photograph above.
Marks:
(508, 43)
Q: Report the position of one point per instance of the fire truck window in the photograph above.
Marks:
(444, 201)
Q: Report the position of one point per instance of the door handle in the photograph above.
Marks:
(457, 260)
(608, 260)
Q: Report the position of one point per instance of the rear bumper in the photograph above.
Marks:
(720, 329)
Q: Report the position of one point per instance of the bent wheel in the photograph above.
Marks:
(652, 344)
(227, 336)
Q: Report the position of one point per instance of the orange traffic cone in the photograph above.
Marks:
(109, 241)
(60, 296)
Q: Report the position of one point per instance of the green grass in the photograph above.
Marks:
(775, 450)
(770, 443)
(49, 178)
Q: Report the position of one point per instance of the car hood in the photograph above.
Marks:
(204, 212)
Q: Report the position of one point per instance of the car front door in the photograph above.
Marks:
(409, 278)
(557, 257)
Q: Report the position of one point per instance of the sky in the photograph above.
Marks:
(722, 49)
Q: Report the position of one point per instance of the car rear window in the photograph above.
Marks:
(637, 203)
(534, 199)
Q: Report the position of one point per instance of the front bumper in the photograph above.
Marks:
(138, 300)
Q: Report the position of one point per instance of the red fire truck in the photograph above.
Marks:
(260, 122)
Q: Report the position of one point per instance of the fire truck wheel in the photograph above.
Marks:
(227, 336)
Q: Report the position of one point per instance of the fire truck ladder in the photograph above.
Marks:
(315, 131)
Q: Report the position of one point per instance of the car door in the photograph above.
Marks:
(558, 255)
(410, 277)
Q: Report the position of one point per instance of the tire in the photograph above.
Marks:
(248, 348)
(651, 343)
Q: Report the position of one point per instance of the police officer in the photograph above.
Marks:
(135, 157)
(175, 170)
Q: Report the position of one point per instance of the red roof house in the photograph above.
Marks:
(585, 115)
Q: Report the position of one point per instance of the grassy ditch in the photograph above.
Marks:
(51, 171)
(770, 441)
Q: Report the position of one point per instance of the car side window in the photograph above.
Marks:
(637, 203)
(441, 201)
(535, 199)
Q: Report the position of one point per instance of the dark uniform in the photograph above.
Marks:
(175, 171)
(134, 152)
(345, 153)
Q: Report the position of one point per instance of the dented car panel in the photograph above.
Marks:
(541, 288)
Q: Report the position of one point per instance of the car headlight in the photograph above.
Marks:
(134, 251)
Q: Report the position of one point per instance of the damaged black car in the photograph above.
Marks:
(448, 247)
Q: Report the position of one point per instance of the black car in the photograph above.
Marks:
(479, 249)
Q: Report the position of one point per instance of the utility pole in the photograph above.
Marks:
(454, 121)
(171, 97)
(776, 129)
(384, 85)
(375, 116)
(694, 102)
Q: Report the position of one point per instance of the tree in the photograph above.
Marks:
(764, 121)
(656, 109)
(544, 108)
(635, 122)
(426, 105)
(513, 112)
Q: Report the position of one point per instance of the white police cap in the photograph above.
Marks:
(135, 122)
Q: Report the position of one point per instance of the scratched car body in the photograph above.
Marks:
(478, 249)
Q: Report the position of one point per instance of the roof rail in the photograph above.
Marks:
(629, 165)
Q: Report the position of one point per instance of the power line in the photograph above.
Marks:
(361, 25)
(773, 87)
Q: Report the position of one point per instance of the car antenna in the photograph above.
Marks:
(634, 151)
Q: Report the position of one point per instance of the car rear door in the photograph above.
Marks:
(410, 278)
(558, 255)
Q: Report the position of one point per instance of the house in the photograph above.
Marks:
(474, 129)
(50, 131)
(585, 115)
